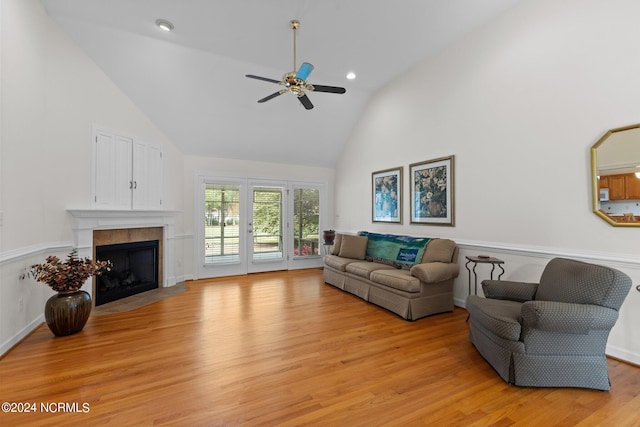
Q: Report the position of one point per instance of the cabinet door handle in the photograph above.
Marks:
(130, 185)
(135, 184)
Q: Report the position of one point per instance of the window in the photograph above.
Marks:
(222, 221)
(306, 217)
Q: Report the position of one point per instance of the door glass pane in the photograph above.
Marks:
(222, 221)
(306, 216)
(267, 223)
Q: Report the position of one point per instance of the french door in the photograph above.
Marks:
(266, 240)
(250, 225)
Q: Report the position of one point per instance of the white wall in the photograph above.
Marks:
(519, 104)
(52, 95)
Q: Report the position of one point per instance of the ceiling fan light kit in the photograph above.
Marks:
(295, 82)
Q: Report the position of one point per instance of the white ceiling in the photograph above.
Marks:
(191, 82)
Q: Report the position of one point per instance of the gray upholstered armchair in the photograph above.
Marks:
(551, 334)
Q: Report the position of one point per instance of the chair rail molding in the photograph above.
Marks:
(621, 260)
(29, 251)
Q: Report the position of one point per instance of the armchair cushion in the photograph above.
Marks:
(504, 289)
(500, 317)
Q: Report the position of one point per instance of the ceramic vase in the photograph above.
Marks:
(67, 312)
(328, 236)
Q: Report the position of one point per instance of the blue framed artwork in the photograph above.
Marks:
(387, 195)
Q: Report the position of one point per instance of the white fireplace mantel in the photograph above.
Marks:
(85, 221)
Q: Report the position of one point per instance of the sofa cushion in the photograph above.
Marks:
(397, 279)
(338, 263)
(439, 250)
(353, 246)
(364, 268)
(337, 240)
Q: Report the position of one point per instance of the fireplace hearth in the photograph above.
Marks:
(134, 270)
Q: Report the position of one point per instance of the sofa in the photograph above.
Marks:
(409, 276)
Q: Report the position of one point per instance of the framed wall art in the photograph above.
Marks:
(387, 195)
(432, 191)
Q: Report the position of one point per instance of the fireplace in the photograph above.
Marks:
(136, 255)
(95, 227)
(134, 269)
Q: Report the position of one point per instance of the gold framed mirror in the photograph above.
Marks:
(615, 171)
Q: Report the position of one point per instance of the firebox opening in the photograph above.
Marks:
(134, 270)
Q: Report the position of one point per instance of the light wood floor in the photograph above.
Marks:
(285, 349)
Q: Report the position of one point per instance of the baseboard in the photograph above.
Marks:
(623, 355)
(22, 334)
(182, 279)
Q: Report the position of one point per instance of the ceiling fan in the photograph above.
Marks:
(296, 81)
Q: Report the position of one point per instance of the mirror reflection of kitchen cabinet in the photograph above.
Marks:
(616, 187)
(633, 186)
(603, 182)
(623, 187)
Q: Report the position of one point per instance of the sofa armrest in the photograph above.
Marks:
(434, 272)
(505, 289)
(566, 317)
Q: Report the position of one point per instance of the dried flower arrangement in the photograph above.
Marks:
(68, 276)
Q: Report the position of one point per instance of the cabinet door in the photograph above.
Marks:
(113, 171)
(617, 187)
(633, 186)
(128, 173)
(147, 176)
(603, 182)
(156, 177)
(140, 199)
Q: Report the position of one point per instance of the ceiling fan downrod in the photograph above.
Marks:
(294, 26)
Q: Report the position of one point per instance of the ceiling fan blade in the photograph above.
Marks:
(306, 102)
(251, 76)
(273, 95)
(304, 71)
(329, 89)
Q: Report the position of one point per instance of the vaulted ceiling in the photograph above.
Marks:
(191, 81)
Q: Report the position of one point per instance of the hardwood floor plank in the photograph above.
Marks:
(283, 348)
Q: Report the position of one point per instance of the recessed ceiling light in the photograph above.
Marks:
(165, 25)
(351, 75)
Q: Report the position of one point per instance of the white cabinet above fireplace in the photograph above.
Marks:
(127, 172)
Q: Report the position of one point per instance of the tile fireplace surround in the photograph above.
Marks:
(85, 222)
